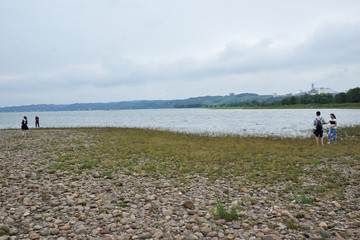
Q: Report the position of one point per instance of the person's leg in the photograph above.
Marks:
(317, 140)
(329, 135)
(322, 137)
(334, 135)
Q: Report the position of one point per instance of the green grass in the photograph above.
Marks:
(263, 160)
(219, 212)
(255, 160)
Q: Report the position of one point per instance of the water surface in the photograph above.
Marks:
(274, 122)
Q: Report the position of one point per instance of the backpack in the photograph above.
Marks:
(318, 124)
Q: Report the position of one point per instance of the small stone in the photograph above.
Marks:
(54, 231)
(45, 232)
(167, 212)
(332, 213)
(230, 236)
(268, 237)
(105, 231)
(158, 234)
(244, 190)
(146, 235)
(192, 212)
(95, 232)
(205, 229)
(80, 230)
(26, 214)
(221, 222)
(323, 225)
(336, 204)
(305, 226)
(245, 225)
(211, 234)
(81, 202)
(349, 233)
(27, 202)
(286, 213)
(34, 235)
(65, 228)
(37, 227)
(306, 235)
(189, 204)
(325, 233)
(188, 226)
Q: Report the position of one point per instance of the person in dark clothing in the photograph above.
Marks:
(37, 123)
(24, 126)
(318, 128)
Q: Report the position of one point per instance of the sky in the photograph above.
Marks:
(89, 51)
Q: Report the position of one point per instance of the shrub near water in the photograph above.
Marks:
(263, 160)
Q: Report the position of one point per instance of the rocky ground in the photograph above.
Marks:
(39, 203)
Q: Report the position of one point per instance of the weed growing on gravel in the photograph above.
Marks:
(219, 212)
(305, 199)
(300, 215)
(291, 224)
(4, 231)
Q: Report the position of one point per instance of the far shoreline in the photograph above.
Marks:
(298, 106)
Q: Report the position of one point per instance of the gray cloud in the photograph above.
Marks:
(91, 51)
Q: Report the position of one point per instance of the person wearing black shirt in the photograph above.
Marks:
(332, 129)
(24, 126)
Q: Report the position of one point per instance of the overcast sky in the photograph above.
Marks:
(77, 51)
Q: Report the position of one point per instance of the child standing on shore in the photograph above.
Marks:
(332, 129)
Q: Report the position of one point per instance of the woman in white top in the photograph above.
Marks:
(332, 129)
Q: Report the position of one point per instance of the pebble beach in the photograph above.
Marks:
(37, 202)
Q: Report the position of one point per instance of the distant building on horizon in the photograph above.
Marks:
(314, 91)
(321, 90)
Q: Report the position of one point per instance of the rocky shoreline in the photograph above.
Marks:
(38, 203)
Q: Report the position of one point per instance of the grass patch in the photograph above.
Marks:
(219, 212)
(291, 224)
(259, 160)
(305, 199)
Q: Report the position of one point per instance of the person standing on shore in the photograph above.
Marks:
(318, 130)
(332, 129)
(37, 124)
(24, 126)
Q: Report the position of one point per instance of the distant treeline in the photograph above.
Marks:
(351, 96)
(231, 100)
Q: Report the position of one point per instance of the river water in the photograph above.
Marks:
(259, 122)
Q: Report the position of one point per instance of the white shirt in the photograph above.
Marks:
(333, 123)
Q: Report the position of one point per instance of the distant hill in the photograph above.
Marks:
(205, 101)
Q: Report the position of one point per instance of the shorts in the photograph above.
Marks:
(318, 132)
